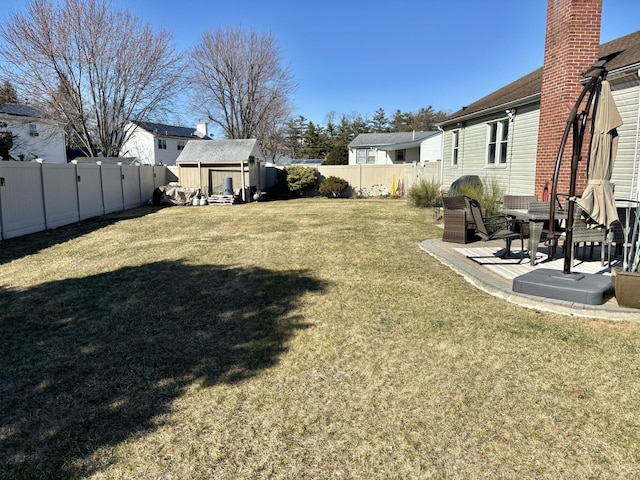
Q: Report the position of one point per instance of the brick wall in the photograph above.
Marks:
(571, 47)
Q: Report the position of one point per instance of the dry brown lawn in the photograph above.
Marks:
(299, 339)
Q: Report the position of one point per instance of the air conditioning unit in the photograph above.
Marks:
(34, 134)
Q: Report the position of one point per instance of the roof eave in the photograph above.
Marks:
(491, 110)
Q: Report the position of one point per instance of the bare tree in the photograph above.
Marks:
(240, 84)
(90, 67)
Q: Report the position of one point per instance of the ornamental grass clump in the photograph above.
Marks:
(424, 193)
(489, 194)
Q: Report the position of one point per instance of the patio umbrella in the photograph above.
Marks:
(597, 200)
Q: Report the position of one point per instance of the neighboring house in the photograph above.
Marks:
(34, 136)
(500, 135)
(395, 148)
(210, 165)
(159, 144)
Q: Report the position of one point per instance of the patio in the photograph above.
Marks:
(478, 263)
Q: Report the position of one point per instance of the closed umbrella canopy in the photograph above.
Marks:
(597, 200)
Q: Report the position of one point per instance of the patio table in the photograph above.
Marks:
(537, 214)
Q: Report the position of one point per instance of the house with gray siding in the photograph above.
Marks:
(498, 135)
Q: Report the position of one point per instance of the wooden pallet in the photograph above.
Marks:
(222, 199)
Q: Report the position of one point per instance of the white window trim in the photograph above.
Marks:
(455, 149)
(500, 143)
(369, 153)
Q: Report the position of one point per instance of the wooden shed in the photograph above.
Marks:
(212, 166)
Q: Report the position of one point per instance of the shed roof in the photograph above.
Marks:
(621, 53)
(218, 151)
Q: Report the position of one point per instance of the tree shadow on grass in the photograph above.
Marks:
(18, 247)
(90, 362)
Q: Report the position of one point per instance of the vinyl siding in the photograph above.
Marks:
(626, 93)
(517, 176)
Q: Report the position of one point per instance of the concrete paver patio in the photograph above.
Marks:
(479, 265)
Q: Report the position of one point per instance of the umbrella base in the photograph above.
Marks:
(585, 288)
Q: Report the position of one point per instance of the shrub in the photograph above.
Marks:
(333, 187)
(301, 180)
(489, 194)
(424, 193)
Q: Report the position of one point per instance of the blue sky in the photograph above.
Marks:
(355, 56)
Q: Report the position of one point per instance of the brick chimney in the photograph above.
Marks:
(571, 47)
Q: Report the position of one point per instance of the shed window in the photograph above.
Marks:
(400, 155)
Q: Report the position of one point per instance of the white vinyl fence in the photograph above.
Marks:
(39, 196)
(376, 180)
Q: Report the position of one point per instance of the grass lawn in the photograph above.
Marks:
(287, 340)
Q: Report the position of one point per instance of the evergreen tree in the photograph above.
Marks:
(380, 122)
(8, 93)
(314, 142)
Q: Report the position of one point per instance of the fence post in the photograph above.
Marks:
(44, 196)
(104, 208)
(2, 180)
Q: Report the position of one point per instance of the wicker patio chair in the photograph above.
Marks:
(497, 227)
(459, 226)
(581, 235)
(518, 202)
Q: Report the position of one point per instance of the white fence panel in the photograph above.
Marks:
(89, 190)
(21, 199)
(37, 196)
(130, 186)
(112, 188)
(379, 179)
(147, 182)
(60, 194)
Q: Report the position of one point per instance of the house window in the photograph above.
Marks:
(162, 144)
(181, 144)
(33, 130)
(365, 155)
(3, 125)
(497, 142)
(400, 155)
(456, 147)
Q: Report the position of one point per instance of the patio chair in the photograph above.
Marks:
(518, 202)
(458, 223)
(497, 227)
(583, 235)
